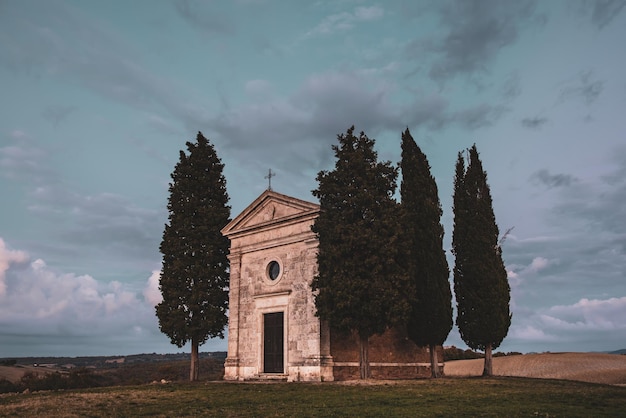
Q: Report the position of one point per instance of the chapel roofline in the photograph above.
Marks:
(304, 209)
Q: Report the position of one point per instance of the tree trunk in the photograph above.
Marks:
(364, 361)
(193, 372)
(434, 362)
(488, 370)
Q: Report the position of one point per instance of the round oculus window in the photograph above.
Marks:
(273, 270)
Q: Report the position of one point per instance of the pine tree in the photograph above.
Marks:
(480, 280)
(194, 277)
(358, 286)
(430, 320)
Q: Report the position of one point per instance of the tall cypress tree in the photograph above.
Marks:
(480, 280)
(430, 320)
(358, 287)
(194, 277)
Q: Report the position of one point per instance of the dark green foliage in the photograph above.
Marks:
(194, 278)
(359, 286)
(480, 280)
(430, 320)
(127, 374)
(74, 379)
(454, 353)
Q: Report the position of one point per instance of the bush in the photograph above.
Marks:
(7, 386)
(454, 353)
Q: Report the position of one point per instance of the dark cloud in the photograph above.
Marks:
(602, 12)
(60, 41)
(552, 180)
(307, 121)
(103, 225)
(585, 88)
(204, 16)
(87, 228)
(534, 123)
(475, 31)
(478, 116)
(23, 161)
(511, 87)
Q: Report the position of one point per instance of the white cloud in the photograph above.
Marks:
(529, 333)
(538, 263)
(586, 325)
(151, 292)
(589, 314)
(37, 299)
(8, 257)
(368, 13)
(346, 20)
(517, 272)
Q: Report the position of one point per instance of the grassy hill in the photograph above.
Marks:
(585, 367)
(458, 397)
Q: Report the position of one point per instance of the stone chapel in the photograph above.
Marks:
(273, 332)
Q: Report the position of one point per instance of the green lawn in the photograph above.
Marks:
(501, 397)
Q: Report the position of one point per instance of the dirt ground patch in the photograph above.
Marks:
(584, 367)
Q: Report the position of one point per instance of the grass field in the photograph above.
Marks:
(498, 397)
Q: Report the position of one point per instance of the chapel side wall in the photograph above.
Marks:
(392, 356)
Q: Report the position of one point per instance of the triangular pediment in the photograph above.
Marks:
(268, 209)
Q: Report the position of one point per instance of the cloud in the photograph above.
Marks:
(152, 293)
(588, 314)
(23, 161)
(586, 325)
(585, 88)
(567, 285)
(89, 228)
(478, 116)
(306, 122)
(530, 333)
(534, 123)
(602, 12)
(511, 88)
(38, 300)
(474, 34)
(8, 257)
(59, 41)
(598, 204)
(205, 16)
(103, 225)
(544, 177)
(345, 20)
(37, 293)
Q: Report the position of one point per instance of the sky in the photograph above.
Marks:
(98, 98)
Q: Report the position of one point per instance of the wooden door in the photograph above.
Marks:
(273, 343)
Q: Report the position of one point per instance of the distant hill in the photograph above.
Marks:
(622, 351)
(108, 361)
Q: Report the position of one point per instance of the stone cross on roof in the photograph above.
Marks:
(269, 176)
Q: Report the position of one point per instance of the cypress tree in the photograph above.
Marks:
(194, 277)
(430, 320)
(480, 280)
(358, 286)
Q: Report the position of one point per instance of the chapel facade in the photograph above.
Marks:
(273, 332)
